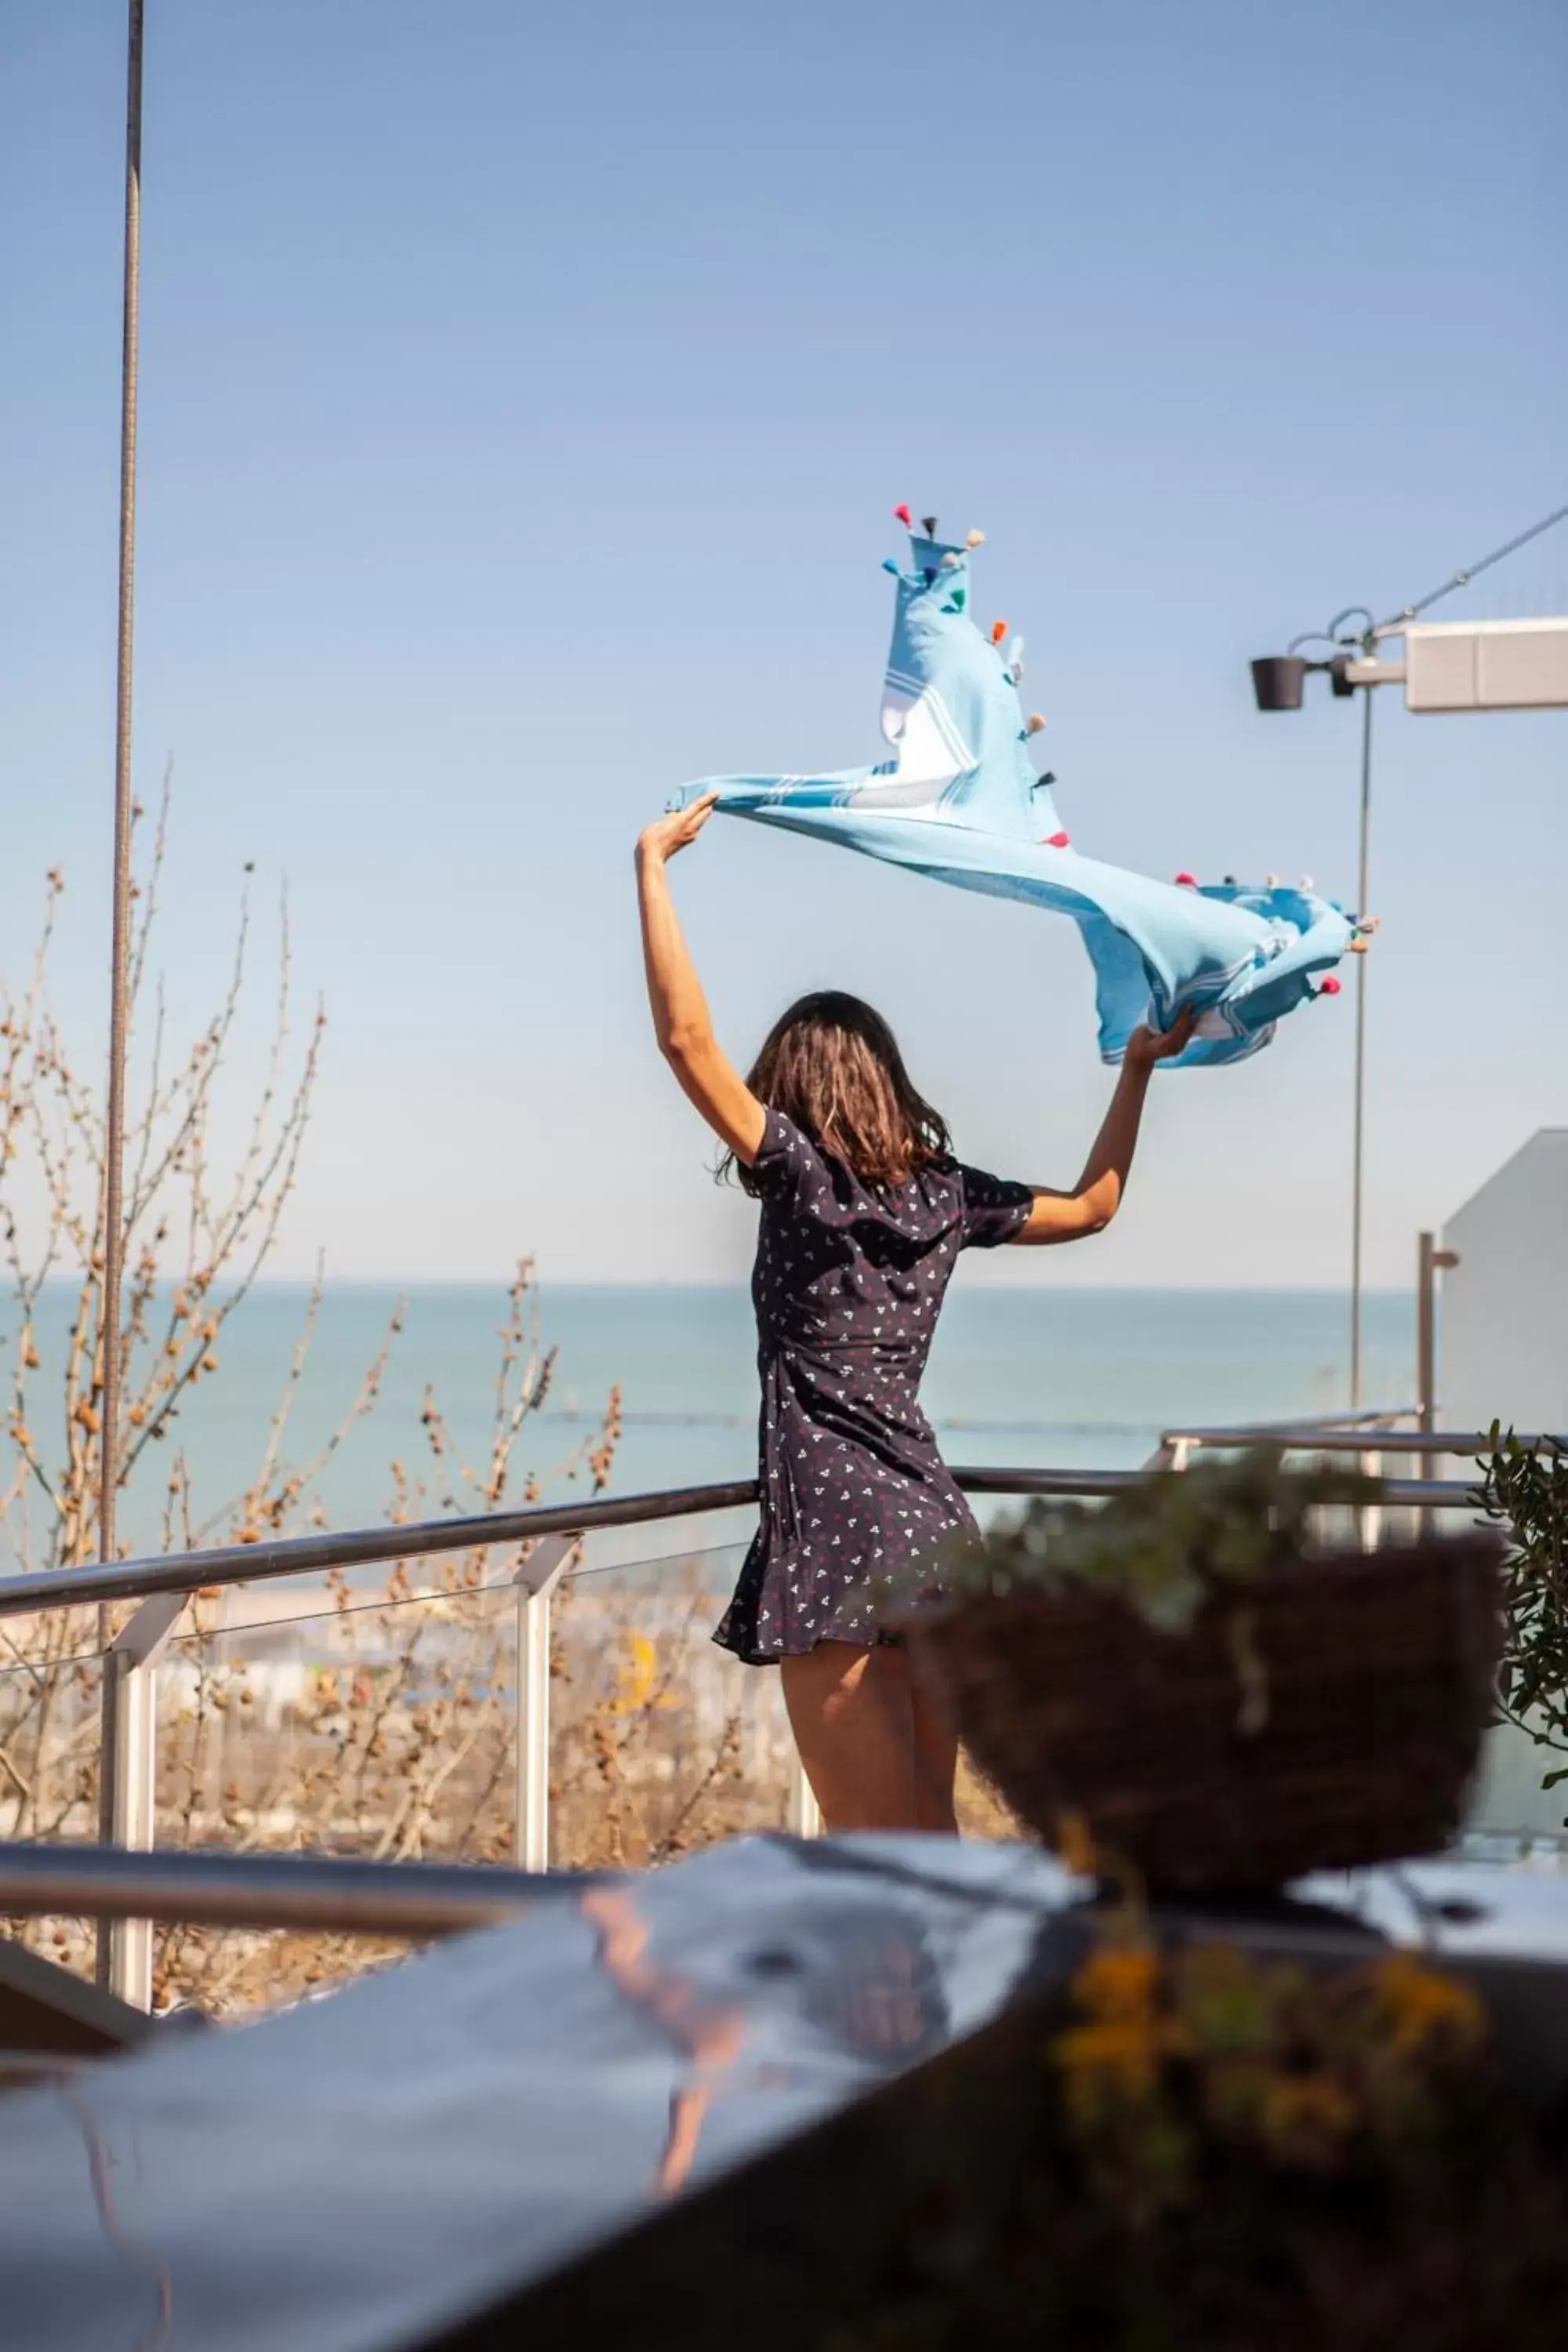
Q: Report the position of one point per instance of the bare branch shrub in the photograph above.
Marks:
(375, 1720)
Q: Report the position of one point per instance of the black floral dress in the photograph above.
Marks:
(848, 1282)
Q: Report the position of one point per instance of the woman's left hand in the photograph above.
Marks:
(667, 835)
(1146, 1046)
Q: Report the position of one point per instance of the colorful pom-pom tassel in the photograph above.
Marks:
(927, 524)
(998, 631)
(1306, 883)
(950, 562)
(1034, 724)
(974, 539)
(1188, 881)
(1329, 987)
(1059, 841)
(902, 514)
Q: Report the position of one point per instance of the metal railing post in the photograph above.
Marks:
(130, 1766)
(1429, 1258)
(1371, 1517)
(803, 1818)
(1425, 1332)
(536, 1579)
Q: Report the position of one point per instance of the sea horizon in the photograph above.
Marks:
(544, 1284)
(1043, 1376)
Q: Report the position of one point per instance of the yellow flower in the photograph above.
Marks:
(1120, 2055)
(636, 1683)
(1118, 1984)
(1422, 2006)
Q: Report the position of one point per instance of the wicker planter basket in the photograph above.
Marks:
(1379, 1684)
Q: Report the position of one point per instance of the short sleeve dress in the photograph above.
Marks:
(848, 1281)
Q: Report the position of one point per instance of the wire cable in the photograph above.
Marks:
(1463, 579)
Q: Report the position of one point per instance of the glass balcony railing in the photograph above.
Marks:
(388, 1720)
(550, 1698)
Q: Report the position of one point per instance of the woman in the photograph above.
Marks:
(863, 1211)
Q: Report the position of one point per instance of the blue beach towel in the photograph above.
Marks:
(961, 801)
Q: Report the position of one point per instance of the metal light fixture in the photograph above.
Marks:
(1277, 681)
(1467, 665)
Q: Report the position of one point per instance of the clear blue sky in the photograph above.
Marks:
(525, 391)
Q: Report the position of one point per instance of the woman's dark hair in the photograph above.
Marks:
(833, 1065)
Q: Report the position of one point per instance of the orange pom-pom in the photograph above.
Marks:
(998, 631)
(1034, 723)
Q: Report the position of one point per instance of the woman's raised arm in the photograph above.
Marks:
(681, 1018)
(1097, 1194)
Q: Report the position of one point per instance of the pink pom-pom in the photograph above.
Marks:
(1188, 881)
(902, 514)
(1329, 987)
(1059, 841)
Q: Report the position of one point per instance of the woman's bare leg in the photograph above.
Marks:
(852, 1714)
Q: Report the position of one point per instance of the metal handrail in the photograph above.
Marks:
(1399, 1494)
(1376, 1417)
(304, 1890)
(229, 1564)
(1308, 1437)
(136, 1579)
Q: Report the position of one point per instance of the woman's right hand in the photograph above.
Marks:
(1146, 1046)
(675, 830)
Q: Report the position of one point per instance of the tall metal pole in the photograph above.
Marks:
(114, 1771)
(1359, 1119)
(114, 1125)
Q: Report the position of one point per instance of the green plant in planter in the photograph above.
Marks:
(1170, 1543)
(1524, 1491)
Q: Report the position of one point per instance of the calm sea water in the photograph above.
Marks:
(1036, 1377)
